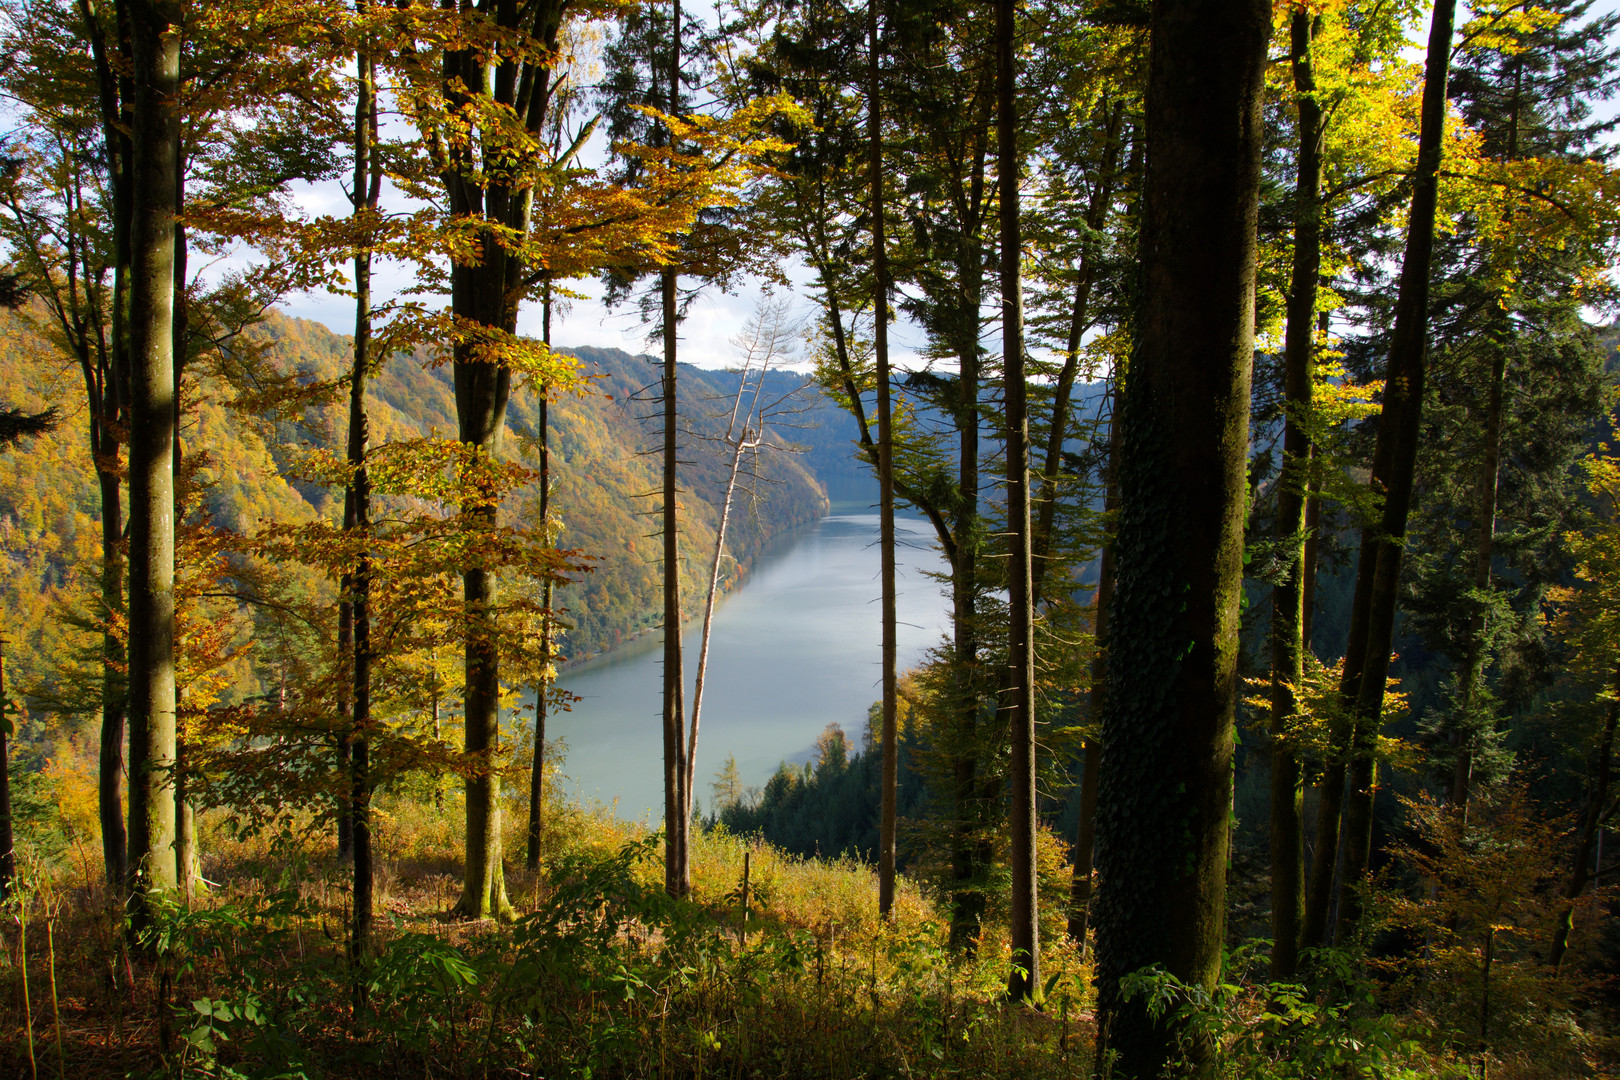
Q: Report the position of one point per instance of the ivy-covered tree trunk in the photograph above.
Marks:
(1163, 819)
(155, 136)
(1393, 472)
(1288, 599)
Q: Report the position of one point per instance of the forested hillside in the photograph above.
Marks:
(602, 476)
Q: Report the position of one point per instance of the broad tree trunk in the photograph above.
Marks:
(885, 468)
(156, 137)
(1288, 600)
(1163, 817)
(1393, 473)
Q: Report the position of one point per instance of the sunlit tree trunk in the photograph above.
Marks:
(156, 138)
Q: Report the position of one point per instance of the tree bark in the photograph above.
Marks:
(1288, 599)
(1393, 474)
(155, 136)
(1163, 820)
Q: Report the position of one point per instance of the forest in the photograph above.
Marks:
(1252, 364)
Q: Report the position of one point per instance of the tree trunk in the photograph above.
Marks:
(8, 846)
(1393, 473)
(156, 136)
(677, 881)
(885, 468)
(537, 771)
(1024, 980)
(1163, 819)
(1288, 599)
(367, 190)
(106, 384)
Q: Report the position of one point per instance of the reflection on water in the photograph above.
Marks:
(795, 648)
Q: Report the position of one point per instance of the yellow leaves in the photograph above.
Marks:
(1323, 712)
(1503, 25)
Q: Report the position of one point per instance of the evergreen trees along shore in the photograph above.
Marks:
(1261, 418)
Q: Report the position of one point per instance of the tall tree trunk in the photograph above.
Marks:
(8, 846)
(367, 191)
(156, 139)
(110, 774)
(1592, 819)
(676, 870)
(1393, 473)
(885, 467)
(107, 386)
(185, 835)
(537, 771)
(1288, 599)
(1024, 980)
(1091, 771)
(1166, 788)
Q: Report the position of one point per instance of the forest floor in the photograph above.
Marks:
(598, 974)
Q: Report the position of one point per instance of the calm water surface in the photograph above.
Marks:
(797, 647)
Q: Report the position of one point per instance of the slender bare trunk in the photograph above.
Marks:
(885, 466)
(1288, 599)
(537, 771)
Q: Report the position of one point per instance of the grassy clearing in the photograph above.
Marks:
(601, 975)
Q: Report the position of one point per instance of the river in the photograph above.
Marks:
(795, 648)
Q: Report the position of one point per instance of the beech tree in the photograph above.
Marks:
(1165, 799)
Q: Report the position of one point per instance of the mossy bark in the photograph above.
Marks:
(1163, 819)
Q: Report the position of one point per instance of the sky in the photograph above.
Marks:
(706, 336)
